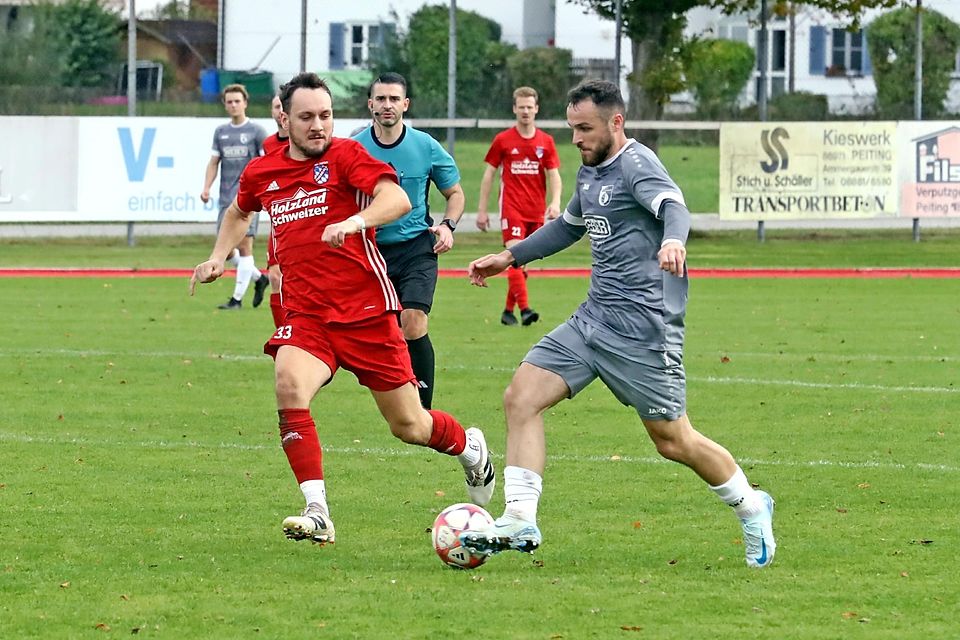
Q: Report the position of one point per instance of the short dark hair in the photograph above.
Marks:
(602, 93)
(390, 77)
(305, 80)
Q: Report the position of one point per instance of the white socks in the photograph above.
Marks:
(521, 490)
(315, 491)
(246, 271)
(737, 493)
(470, 457)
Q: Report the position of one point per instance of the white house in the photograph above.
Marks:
(815, 52)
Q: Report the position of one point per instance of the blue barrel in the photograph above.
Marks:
(210, 85)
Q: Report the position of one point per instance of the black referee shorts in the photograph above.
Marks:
(412, 268)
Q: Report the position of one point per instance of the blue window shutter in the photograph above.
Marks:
(867, 66)
(818, 53)
(337, 60)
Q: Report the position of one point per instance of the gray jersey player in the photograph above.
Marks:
(628, 333)
(234, 145)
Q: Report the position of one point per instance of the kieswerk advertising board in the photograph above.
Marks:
(929, 169)
(807, 170)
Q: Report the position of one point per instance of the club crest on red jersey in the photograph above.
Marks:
(321, 172)
(539, 152)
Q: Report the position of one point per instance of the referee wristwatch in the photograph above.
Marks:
(449, 224)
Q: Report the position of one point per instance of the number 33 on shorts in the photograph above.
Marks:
(283, 332)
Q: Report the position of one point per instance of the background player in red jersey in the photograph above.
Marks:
(277, 141)
(527, 160)
(325, 195)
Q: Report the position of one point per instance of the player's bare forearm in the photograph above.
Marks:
(555, 188)
(232, 229)
(483, 220)
(389, 203)
(209, 176)
(488, 266)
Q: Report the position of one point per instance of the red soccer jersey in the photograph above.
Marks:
(302, 197)
(523, 167)
(274, 142)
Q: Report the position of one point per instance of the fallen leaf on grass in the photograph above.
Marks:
(904, 574)
(631, 627)
(924, 541)
(863, 485)
(849, 615)
(637, 524)
(65, 585)
(724, 360)
(439, 494)
(841, 510)
(102, 626)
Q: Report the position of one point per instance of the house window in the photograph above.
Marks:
(846, 53)
(355, 45)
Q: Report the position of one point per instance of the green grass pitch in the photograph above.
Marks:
(142, 484)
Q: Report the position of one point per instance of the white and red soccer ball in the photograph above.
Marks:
(447, 528)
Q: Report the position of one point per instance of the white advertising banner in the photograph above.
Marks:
(112, 169)
(38, 168)
(145, 169)
(929, 169)
(801, 170)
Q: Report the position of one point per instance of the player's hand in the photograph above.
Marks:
(487, 266)
(483, 221)
(553, 213)
(205, 272)
(672, 257)
(444, 238)
(335, 234)
(205, 196)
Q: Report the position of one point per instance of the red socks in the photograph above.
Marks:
(298, 436)
(516, 289)
(448, 436)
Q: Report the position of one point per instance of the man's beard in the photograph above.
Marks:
(600, 154)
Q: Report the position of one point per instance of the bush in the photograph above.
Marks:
(547, 70)
(716, 72)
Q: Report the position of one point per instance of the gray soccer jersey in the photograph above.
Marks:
(235, 145)
(619, 203)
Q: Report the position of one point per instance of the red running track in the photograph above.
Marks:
(544, 273)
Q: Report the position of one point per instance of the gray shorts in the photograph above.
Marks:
(652, 382)
(251, 230)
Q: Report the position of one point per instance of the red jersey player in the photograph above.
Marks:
(527, 160)
(325, 195)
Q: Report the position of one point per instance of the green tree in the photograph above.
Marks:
(83, 36)
(716, 71)
(892, 44)
(420, 54)
(546, 69)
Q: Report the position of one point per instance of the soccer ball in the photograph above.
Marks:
(447, 528)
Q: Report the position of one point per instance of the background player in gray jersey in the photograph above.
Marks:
(628, 332)
(234, 145)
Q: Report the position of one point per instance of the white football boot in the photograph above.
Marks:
(312, 524)
(507, 532)
(481, 478)
(758, 538)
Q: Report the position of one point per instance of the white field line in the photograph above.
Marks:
(838, 357)
(412, 451)
(84, 353)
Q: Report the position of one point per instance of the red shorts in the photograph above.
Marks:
(517, 228)
(373, 349)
